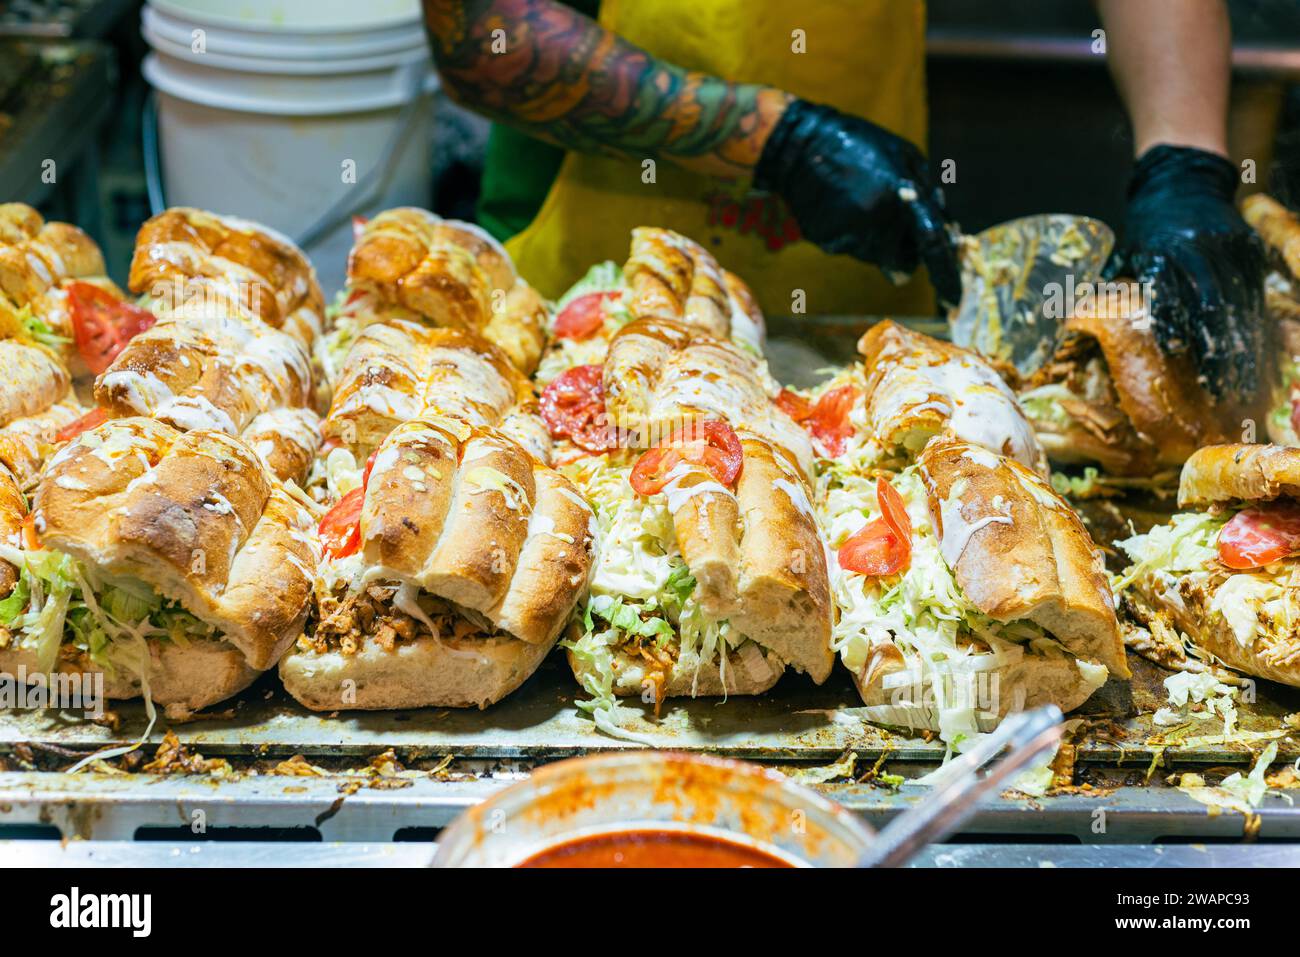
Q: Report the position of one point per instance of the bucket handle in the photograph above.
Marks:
(347, 205)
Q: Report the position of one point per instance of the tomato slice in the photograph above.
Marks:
(884, 545)
(1257, 536)
(794, 405)
(102, 324)
(829, 421)
(340, 529)
(711, 444)
(573, 405)
(583, 317)
(91, 420)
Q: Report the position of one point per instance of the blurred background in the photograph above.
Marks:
(112, 108)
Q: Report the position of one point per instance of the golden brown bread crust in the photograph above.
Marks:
(1277, 226)
(213, 373)
(183, 680)
(1183, 605)
(398, 369)
(1019, 552)
(1157, 393)
(784, 598)
(35, 256)
(13, 510)
(918, 387)
(26, 443)
(423, 673)
(672, 277)
(747, 322)
(453, 274)
(660, 376)
(187, 254)
(194, 515)
(467, 515)
(1222, 474)
(287, 440)
(33, 380)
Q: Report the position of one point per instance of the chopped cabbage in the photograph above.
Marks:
(1188, 688)
(1186, 544)
(602, 277)
(38, 330)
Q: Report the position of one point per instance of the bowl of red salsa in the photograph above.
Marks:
(655, 809)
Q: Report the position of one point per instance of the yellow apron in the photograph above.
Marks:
(865, 57)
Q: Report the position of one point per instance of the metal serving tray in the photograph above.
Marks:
(450, 758)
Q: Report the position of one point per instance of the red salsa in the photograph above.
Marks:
(652, 849)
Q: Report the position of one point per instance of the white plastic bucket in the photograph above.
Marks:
(268, 115)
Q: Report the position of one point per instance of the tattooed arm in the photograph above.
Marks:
(546, 68)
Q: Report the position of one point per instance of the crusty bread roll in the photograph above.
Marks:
(918, 387)
(398, 369)
(419, 673)
(756, 556)
(26, 443)
(194, 515)
(13, 511)
(1019, 552)
(223, 266)
(1224, 474)
(36, 256)
(195, 372)
(453, 274)
(479, 553)
(1131, 407)
(183, 680)
(661, 375)
(468, 515)
(287, 440)
(33, 378)
(1277, 226)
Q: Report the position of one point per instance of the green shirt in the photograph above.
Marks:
(518, 169)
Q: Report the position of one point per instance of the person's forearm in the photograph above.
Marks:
(546, 68)
(1171, 60)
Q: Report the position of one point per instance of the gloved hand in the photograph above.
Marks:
(1183, 235)
(856, 188)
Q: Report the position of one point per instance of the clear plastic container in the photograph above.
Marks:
(654, 790)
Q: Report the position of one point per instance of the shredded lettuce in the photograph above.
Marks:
(38, 330)
(1186, 544)
(602, 277)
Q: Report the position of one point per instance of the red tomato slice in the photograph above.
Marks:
(883, 546)
(583, 317)
(573, 405)
(102, 324)
(91, 420)
(340, 529)
(794, 405)
(829, 420)
(712, 444)
(1257, 536)
(894, 510)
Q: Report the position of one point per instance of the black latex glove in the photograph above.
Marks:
(1183, 234)
(856, 188)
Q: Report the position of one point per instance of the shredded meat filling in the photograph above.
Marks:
(349, 620)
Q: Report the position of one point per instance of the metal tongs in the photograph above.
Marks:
(1010, 272)
(1027, 736)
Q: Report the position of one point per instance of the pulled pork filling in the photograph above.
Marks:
(1075, 388)
(349, 619)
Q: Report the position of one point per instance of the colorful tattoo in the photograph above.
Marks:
(545, 67)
